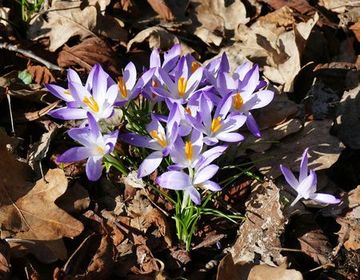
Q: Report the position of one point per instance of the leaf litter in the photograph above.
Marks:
(118, 227)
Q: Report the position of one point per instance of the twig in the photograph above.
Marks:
(30, 54)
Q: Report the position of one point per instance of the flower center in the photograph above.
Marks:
(91, 103)
(188, 110)
(216, 124)
(154, 83)
(188, 150)
(122, 87)
(182, 86)
(194, 66)
(238, 102)
(159, 138)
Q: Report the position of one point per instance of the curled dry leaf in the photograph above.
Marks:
(66, 19)
(349, 234)
(260, 232)
(40, 74)
(157, 36)
(87, 53)
(162, 9)
(324, 150)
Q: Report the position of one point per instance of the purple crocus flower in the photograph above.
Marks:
(95, 147)
(161, 141)
(128, 88)
(97, 96)
(198, 177)
(306, 185)
(221, 126)
(170, 58)
(182, 86)
(243, 96)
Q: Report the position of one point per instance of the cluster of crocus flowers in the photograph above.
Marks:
(205, 106)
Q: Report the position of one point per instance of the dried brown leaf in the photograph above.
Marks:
(349, 233)
(87, 53)
(162, 9)
(260, 232)
(324, 149)
(22, 204)
(356, 29)
(215, 17)
(5, 266)
(157, 36)
(66, 19)
(260, 272)
(40, 74)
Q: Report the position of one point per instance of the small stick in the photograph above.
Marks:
(30, 54)
(11, 114)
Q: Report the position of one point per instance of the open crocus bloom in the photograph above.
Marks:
(221, 126)
(161, 141)
(306, 185)
(182, 86)
(97, 96)
(95, 147)
(244, 96)
(127, 85)
(200, 172)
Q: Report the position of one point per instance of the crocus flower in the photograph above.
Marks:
(305, 186)
(182, 86)
(128, 88)
(95, 147)
(170, 58)
(199, 177)
(97, 96)
(243, 97)
(161, 141)
(221, 126)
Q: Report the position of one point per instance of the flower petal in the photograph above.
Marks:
(155, 58)
(212, 186)
(67, 113)
(252, 125)
(81, 135)
(74, 154)
(94, 168)
(209, 156)
(59, 92)
(171, 57)
(205, 173)
(139, 141)
(325, 198)
(73, 77)
(99, 84)
(263, 98)
(231, 137)
(289, 177)
(150, 163)
(93, 126)
(194, 195)
(308, 185)
(304, 165)
(174, 180)
(130, 75)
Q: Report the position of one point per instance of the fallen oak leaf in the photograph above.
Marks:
(4, 260)
(22, 204)
(87, 53)
(66, 19)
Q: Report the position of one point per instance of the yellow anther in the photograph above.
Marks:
(122, 87)
(159, 138)
(154, 84)
(91, 103)
(216, 124)
(182, 86)
(188, 110)
(67, 91)
(238, 101)
(188, 150)
(194, 66)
